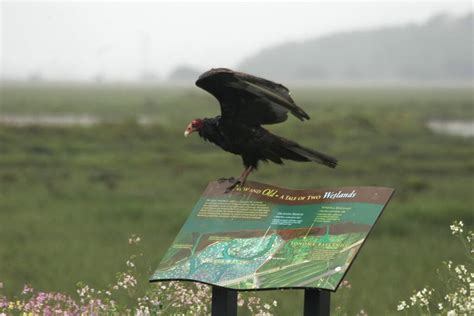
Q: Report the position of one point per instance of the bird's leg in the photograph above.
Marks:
(241, 180)
(245, 174)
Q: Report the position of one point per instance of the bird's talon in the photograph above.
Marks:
(233, 186)
(220, 180)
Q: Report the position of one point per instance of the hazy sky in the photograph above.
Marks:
(77, 40)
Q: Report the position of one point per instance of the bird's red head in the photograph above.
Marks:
(194, 126)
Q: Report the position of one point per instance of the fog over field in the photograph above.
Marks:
(105, 41)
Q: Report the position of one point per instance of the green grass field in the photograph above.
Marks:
(70, 196)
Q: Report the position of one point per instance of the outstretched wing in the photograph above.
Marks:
(249, 99)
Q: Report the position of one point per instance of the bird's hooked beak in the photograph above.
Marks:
(189, 130)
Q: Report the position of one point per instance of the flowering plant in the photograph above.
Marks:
(126, 297)
(458, 296)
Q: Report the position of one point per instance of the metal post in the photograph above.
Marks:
(224, 302)
(316, 302)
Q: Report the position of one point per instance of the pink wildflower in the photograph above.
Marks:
(27, 289)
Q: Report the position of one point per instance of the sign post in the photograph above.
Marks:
(260, 236)
(316, 302)
(224, 302)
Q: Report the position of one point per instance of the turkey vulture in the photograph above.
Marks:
(247, 102)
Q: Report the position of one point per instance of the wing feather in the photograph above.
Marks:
(250, 99)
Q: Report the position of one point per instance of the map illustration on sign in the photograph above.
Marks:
(265, 237)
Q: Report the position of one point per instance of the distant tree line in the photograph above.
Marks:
(439, 50)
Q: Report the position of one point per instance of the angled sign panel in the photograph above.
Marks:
(264, 237)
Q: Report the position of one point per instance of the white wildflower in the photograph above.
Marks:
(403, 305)
(134, 239)
(456, 227)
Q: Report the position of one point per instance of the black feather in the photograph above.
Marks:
(249, 99)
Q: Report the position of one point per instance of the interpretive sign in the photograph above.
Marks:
(264, 237)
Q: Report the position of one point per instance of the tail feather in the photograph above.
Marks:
(313, 155)
(288, 149)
